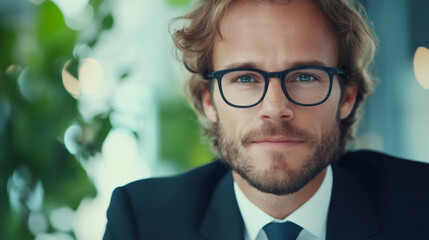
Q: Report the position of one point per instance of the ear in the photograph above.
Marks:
(208, 105)
(348, 101)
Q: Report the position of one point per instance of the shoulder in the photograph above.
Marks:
(190, 189)
(399, 188)
(199, 180)
(143, 207)
(382, 164)
(378, 169)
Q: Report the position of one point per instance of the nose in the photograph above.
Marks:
(275, 105)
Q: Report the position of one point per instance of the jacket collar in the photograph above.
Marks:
(223, 219)
(351, 212)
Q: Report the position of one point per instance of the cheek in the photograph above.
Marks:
(235, 121)
(230, 119)
(225, 114)
(330, 109)
(322, 118)
(332, 104)
(335, 93)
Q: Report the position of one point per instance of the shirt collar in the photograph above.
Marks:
(311, 216)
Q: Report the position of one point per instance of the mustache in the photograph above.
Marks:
(269, 129)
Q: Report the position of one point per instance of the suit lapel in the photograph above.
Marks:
(351, 212)
(223, 219)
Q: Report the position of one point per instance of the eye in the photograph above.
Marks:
(245, 79)
(248, 78)
(305, 78)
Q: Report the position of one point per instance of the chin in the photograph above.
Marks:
(281, 173)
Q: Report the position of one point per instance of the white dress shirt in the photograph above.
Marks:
(311, 216)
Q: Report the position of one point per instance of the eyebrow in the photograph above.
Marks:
(293, 65)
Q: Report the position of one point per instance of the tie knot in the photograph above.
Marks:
(282, 231)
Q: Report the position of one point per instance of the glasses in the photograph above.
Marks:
(304, 86)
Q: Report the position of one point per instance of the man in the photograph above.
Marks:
(277, 85)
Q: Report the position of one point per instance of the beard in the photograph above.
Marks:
(279, 178)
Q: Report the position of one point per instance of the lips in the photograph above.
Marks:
(281, 135)
(276, 139)
(277, 142)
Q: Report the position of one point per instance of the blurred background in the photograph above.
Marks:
(91, 98)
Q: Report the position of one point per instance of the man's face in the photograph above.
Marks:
(277, 146)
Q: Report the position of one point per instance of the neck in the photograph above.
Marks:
(279, 206)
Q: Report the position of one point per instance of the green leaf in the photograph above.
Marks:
(108, 22)
(179, 3)
(181, 143)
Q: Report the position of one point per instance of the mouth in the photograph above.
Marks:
(277, 142)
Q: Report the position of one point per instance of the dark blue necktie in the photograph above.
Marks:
(282, 231)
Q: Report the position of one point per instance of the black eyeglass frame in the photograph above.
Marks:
(332, 71)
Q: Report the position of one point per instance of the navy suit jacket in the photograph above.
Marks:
(374, 196)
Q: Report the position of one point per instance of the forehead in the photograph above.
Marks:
(272, 32)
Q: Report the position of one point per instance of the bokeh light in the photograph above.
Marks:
(421, 66)
(30, 85)
(37, 223)
(71, 137)
(13, 69)
(71, 84)
(71, 8)
(119, 163)
(90, 76)
(89, 81)
(25, 199)
(77, 13)
(62, 219)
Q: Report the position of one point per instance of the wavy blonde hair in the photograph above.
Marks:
(357, 46)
